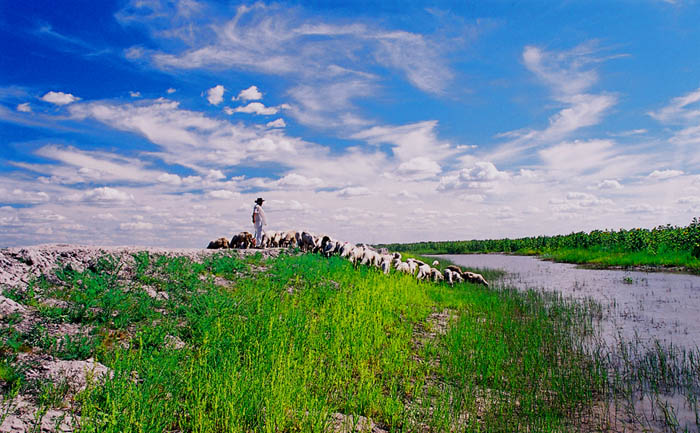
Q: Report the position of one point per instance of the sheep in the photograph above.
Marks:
(448, 274)
(475, 278)
(468, 276)
(306, 241)
(423, 272)
(367, 257)
(436, 275)
(218, 243)
(345, 249)
(403, 267)
(397, 256)
(288, 239)
(241, 240)
(436, 263)
(386, 266)
(412, 265)
(268, 239)
(356, 254)
(330, 247)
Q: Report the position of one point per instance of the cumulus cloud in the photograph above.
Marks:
(134, 94)
(664, 174)
(250, 94)
(215, 95)
(482, 175)
(609, 184)
(278, 123)
(24, 107)
(21, 196)
(59, 98)
(223, 194)
(419, 168)
(254, 108)
(170, 91)
(170, 179)
(353, 191)
(410, 141)
(295, 180)
(100, 195)
(136, 226)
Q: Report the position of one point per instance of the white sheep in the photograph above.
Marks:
(403, 267)
(436, 275)
(423, 272)
(436, 263)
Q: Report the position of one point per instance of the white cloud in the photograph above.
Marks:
(482, 175)
(134, 94)
(136, 226)
(255, 108)
(609, 184)
(419, 168)
(297, 180)
(475, 198)
(410, 141)
(215, 95)
(330, 63)
(353, 192)
(100, 195)
(569, 75)
(24, 107)
(171, 90)
(215, 175)
(681, 109)
(170, 179)
(664, 174)
(642, 208)
(278, 123)
(223, 194)
(21, 196)
(59, 98)
(694, 200)
(250, 94)
(193, 140)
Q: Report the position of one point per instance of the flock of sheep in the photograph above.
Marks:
(357, 254)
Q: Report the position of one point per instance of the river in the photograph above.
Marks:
(644, 305)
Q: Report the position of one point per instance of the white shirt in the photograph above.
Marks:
(260, 219)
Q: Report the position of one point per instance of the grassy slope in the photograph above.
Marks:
(283, 349)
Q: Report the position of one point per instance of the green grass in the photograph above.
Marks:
(666, 259)
(285, 347)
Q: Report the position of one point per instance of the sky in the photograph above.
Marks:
(159, 123)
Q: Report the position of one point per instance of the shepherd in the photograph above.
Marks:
(259, 221)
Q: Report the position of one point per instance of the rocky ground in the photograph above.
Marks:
(19, 270)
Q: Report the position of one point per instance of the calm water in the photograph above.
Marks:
(649, 305)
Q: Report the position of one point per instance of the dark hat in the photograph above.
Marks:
(259, 200)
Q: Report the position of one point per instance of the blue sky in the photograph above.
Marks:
(158, 123)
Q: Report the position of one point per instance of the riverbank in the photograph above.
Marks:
(227, 341)
(631, 261)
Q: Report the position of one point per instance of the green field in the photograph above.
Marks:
(661, 247)
(297, 342)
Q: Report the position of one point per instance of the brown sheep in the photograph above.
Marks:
(218, 244)
(242, 240)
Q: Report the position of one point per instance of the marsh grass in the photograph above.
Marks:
(284, 349)
(287, 343)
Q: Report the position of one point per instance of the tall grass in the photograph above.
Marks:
(285, 349)
(291, 342)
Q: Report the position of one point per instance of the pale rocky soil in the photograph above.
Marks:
(18, 267)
